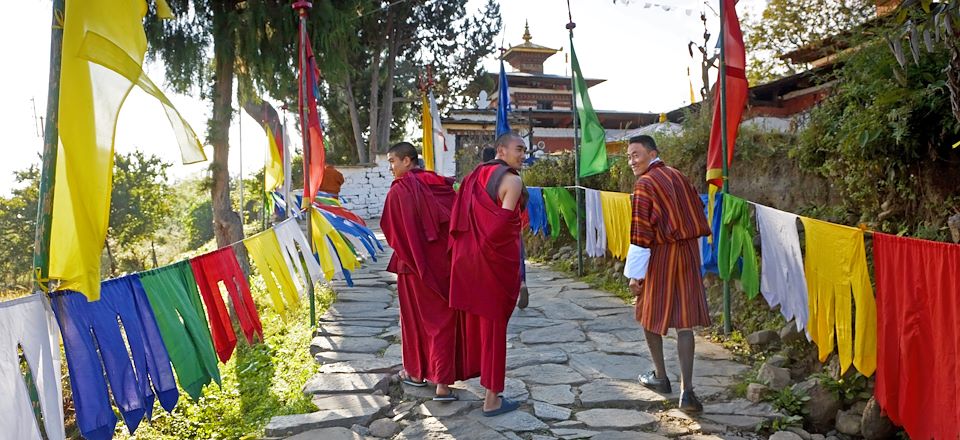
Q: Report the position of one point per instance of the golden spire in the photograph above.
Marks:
(526, 31)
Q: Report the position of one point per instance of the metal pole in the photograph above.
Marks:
(51, 136)
(576, 154)
(302, 7)
(727, 324)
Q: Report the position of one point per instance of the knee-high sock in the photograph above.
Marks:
(685, 349)
(655, 344)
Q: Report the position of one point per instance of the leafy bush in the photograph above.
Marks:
(848, 389)
(883, 138)
(199, 223)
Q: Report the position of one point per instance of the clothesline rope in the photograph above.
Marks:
(863, 227)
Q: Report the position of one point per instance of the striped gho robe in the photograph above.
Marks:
(668, 219)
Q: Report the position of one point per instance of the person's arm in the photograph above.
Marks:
(511, 188)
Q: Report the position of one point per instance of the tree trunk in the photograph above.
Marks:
(953, 78)
(362, 151)
(374, 140)
(386, 110)
(113, 262)
(153, 251)
(227, 227)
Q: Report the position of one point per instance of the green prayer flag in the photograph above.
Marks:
(593, 147)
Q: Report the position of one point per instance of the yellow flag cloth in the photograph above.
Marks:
(103, 49)
(322, 231)
(617, 213)
(836, 269)
(264, 249)
(274, 168)
(428, 162)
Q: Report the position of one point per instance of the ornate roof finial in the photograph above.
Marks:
(526, 31)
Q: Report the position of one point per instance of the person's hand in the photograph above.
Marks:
(636, 286)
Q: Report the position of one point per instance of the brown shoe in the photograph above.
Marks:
(524, 297)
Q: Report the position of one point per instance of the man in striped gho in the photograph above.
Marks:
(668, 219)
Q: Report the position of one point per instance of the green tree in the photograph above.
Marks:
(377, 67)
(18, 219)
(199, 223)
(883, 139)
(140, 205)
(788, 25)
(251, 42)
(925, 24)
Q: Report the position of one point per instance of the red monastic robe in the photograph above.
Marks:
(415, 222)
(485, 273)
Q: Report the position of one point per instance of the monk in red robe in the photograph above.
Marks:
(415, 222)
(668, 219)
(485, 274)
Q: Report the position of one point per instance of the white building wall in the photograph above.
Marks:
(365, 187)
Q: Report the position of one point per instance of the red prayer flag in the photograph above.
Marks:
(312, 172)
(737, 89)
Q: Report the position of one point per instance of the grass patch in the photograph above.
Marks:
(259, 381)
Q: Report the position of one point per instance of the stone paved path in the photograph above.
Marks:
(573, 358)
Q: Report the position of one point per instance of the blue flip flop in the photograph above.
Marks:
(506, 405)
(449, 397)
(414, 384)
(408, 380)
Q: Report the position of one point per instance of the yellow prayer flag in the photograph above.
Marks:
(103, 49)
(264, 249)
(428, 162)
(322, 230)
(274, 169)
(617, 214)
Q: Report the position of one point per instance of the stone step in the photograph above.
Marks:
(618, 394)
(334, 411)
(348, 345)
(346, 383)
(376, 365)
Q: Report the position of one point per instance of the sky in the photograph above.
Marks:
(638, 46)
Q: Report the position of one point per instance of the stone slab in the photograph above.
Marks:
(555, 394)
(327, 329)
(618, 394)
(514, 421)
(328, 434)
(359, 283)
(735, 421)
(548, 374)
(609, 366)
(628, 435)
(375, 365)
(366, 295)
(522, 357)
(334, 411)
(453, 428)
(347, 345)
(568, 332)
(546, 411)
(394, 350)
(572, 434)
(329, 357)
(612, 323)
(565, 310)
(742, 407)
(431, 408)
(346, 383)
(520, 323)
(616, 418)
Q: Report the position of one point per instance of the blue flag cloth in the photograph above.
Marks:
(709, 248)
(503, 104)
